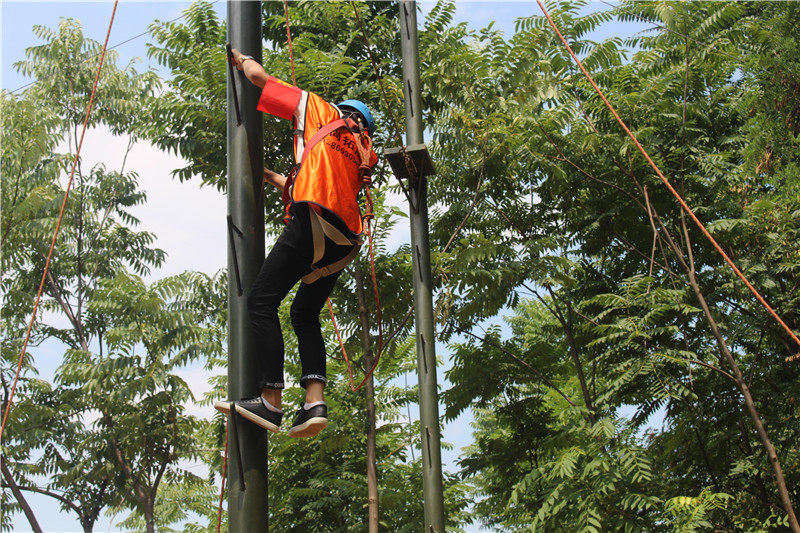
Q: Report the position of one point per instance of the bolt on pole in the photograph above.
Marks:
(248, 509)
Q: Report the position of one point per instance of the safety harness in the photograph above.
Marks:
(321, 228)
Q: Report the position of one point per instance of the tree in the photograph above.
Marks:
(100, 432)
(154, 331)
(638, 310)
(22, 170)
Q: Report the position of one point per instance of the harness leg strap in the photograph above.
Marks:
(317, 273)
(317, 234)
(321, 228)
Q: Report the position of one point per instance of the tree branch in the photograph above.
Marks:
(472, 204)
(566, 326)
(17, 491)
(577, 167)
(52, 494)
(123, 463)
(67, 310)
(727, 356)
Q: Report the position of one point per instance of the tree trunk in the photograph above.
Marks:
(12, 484)
(726, 356)
(372, 461)
(566, 326)
(149, 515)
(146, 495)
(369, 390)
(750, 406)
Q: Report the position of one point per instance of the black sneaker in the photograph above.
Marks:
(254, 410)
(310, 422)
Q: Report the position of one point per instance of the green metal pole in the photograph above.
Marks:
(423, 295)
(248, 509)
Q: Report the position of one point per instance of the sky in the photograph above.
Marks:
(188, 220)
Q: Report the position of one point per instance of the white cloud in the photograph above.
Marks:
(187, 220)
(196, 378)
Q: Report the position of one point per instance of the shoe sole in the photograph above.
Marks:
(309, 428)
(225, 407)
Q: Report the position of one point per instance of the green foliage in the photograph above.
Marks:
(549, 201)
(190, 119)
(110, 426)
(691, 513)
(595, 480)
(66, 65)
(319, 484)
(603, 400)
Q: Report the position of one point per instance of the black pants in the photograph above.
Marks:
(287, 262)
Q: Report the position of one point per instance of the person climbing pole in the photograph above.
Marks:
(333, 152)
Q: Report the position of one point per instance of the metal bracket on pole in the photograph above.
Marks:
(233, 82)
(231, 230)
(412, 163)
(238, 448)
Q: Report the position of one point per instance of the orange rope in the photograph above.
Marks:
(58, 227)
(353, 386)
(289, 37)
(364, 145)
(666, 182)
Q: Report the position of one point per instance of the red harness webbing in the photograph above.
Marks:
(323, 132)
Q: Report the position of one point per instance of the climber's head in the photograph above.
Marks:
(359, 112)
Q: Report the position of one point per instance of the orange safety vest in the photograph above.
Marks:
(328, 176)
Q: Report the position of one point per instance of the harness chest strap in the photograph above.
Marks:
(321, 133)
(321, 228)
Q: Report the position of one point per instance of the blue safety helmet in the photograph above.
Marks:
(361, 108)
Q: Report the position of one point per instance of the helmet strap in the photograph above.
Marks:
(357, 118)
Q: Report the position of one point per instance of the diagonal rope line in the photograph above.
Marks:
(58, 226)
(666, 182)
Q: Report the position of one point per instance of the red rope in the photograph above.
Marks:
(353, 386)
(666, 182)
(364, 145)
(58, 227)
